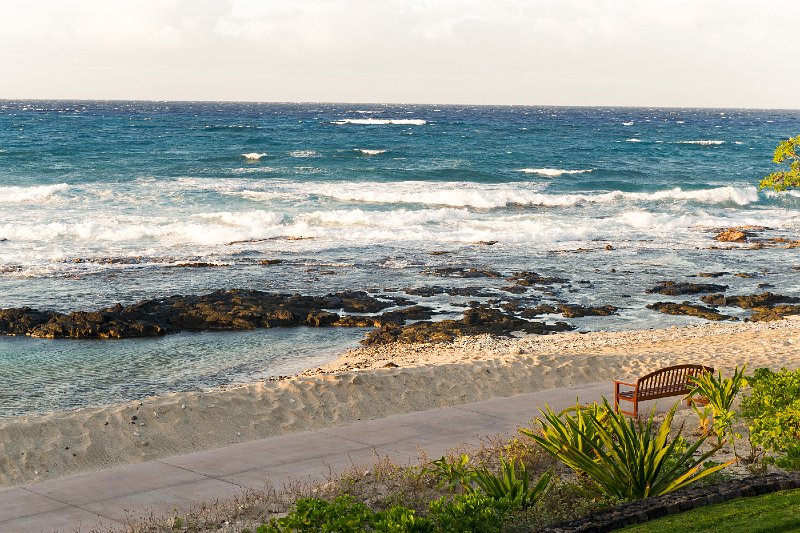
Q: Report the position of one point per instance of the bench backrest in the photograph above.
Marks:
(670, 381)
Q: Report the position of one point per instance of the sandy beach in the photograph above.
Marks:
(371, 383)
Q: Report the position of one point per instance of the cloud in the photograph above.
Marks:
(669, 52)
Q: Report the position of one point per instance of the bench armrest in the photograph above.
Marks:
(624, 383)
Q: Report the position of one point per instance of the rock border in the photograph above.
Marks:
(678, 502)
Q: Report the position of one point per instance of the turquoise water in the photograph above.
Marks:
(105, 202)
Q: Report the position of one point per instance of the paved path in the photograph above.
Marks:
(104, 498)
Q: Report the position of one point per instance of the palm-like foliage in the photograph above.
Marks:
(720, 393)
(508, 485)
(625, 459)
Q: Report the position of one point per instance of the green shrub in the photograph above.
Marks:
(342, 515)
(720, 393)
(400, 519)
(451, 474)
(345, 515)
(773, 409)
(471, 512)
(509, 486)
(628, 459)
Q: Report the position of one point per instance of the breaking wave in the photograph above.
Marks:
(254, 156)
(367, 151)
(551, 172)
(13, 194)
(381, 121)
(467, 195)
(701, 142)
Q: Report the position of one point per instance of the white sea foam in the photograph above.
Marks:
(381, 121)
(13, 194)
(254, 156)
(633, 140)
(462, 194)
(701, 142)
(252, 170)
(303, 153)
(551, 172)
(255, 218)
(627, 123)
(368, 151)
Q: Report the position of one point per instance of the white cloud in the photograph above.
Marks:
(661, 52)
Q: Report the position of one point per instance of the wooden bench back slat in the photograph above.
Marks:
(670, 381)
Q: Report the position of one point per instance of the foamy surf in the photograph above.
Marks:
(382, 121)
(254, 156)
(551, 172)
(367, 151)
(13, 194)
(702, 142)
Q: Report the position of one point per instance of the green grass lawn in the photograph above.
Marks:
(779, 512)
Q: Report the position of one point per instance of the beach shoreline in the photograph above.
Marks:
(368, 383)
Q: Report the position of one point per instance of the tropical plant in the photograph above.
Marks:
(346, 515)
(451, 474)
(785, 153)
(578, 435)
(719, 393)
(510, 486)
(472, 512)
(773, 409)
(628, 459)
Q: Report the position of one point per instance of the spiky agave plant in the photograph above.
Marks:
(624, 459)
(718, 393)
(508, 485)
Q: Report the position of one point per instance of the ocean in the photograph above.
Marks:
(107, 202)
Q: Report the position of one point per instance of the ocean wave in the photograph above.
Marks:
(252, 170)
(551, 172)
(254, 156)
(254, 218)
(382, 121)
(633, 140)
(368, 151)
(303, 153)
(14, 195)
(455, 194)
(627, 123)
(701, 142)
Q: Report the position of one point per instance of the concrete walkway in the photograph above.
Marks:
(103, 499)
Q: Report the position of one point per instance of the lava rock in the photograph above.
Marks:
(688, 309)
(675, 288)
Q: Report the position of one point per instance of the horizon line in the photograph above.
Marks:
(332, 102)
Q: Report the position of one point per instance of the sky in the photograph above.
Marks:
(699, 53)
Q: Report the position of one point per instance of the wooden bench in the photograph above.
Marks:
(670, 381)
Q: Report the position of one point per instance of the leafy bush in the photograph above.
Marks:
(345, 515)
(471, 512)
(720, 393)
(628, 459)
(773, 408)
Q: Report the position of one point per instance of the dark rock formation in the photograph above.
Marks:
(577, 311)
(218, 311)
(452, 291)
(675, 288)
(689, 309)
(477, 320)
(528, 279)
(453, 272)
(749, 301)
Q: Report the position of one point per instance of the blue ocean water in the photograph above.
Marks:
(106, 202)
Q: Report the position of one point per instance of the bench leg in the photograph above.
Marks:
(635, 408)
(616, 397)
